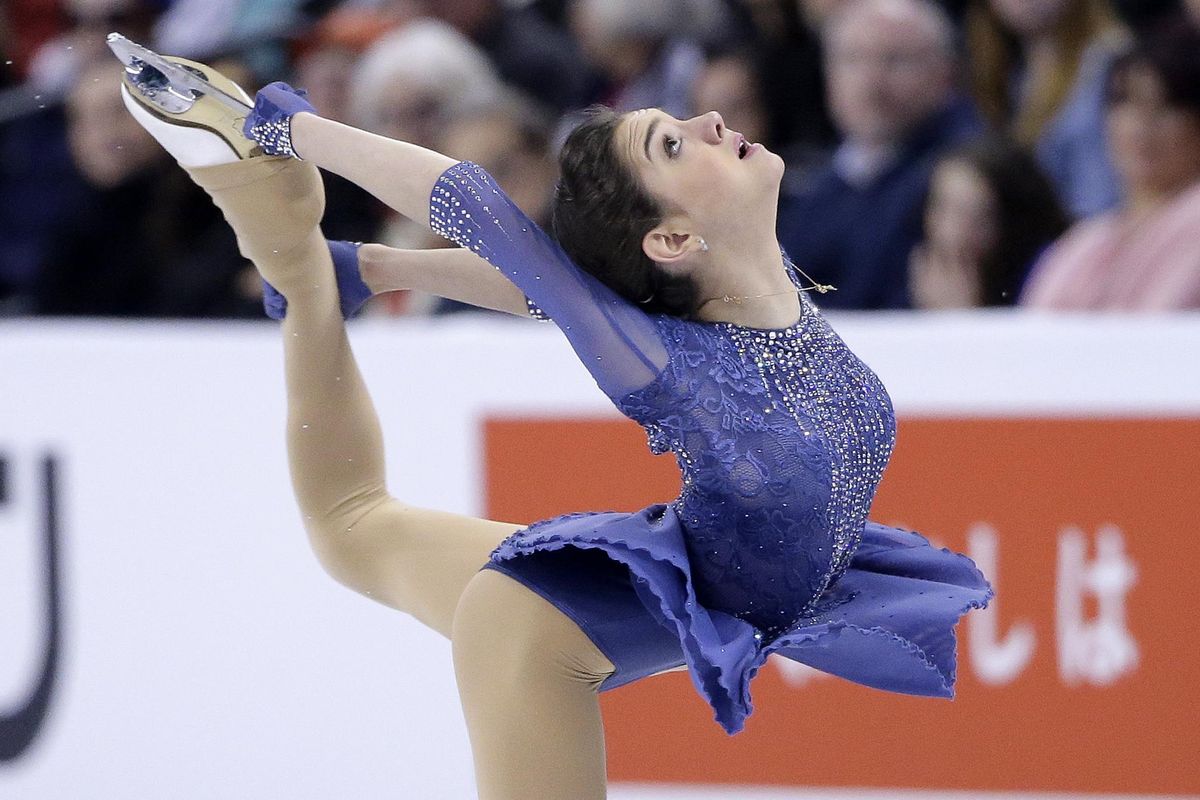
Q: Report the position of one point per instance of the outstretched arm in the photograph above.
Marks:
(453, 273)
(618, 344)
(400, 174)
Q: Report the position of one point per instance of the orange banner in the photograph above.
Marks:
(1083, 676)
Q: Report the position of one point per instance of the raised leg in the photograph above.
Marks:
(413, 559)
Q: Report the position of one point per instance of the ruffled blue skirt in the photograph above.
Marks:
(887, 622)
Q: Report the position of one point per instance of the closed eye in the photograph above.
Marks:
(672, 146)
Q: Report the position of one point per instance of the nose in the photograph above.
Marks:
(712, 127)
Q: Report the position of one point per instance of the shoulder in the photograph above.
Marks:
(1079, 251)
(1085, 237)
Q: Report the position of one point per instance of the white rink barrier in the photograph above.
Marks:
(202, 653)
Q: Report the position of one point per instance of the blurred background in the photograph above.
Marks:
(1042, 153)
(1006, 194)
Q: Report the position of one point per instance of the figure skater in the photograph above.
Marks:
(669, 283)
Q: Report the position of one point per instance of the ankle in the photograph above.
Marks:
(273, 205)
(299, 269)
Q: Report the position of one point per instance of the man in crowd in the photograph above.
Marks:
(890, 67)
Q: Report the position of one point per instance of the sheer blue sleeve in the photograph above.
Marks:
(617, 342)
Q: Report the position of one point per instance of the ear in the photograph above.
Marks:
(669, 243)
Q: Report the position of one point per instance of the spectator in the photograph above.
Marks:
(412, 84)
(25, 25)
(647, 51)
(1146, 255)
(56, 64)
(137, 242)
(891, 90)
(1039, 69)
(784, 44)
(526, 49)
(991, 212)
(413, 81)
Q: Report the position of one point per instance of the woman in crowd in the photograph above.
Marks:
(990, 214)
(1038, 70)
(1145, 255)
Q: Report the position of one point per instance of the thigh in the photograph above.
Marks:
(528, 678)
(414, 559)
(503, 626)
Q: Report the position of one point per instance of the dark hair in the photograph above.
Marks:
(1030, 214)
(1171, 51)
(601, 213)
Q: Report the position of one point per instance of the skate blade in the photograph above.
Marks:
(173, 87)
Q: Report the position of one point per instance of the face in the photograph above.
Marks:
(409, 111)
(887, 72)
(1032, 17)
(961, 218)
(326, 74)
(107, 144)
(700, 171)
(1155, 146)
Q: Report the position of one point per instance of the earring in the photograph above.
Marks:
(703, 245)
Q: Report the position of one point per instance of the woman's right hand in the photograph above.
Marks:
(270, 122)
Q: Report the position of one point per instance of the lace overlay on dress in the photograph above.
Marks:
(782, 437)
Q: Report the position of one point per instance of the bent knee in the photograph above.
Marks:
(510, 633)
(354, 544)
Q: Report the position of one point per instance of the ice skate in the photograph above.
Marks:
(205, 110)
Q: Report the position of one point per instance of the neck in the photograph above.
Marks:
(1148, 199)
(1144, 201)
(753, 272)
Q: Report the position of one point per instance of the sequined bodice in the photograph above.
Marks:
(781, 436)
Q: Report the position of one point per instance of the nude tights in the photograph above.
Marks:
(527, 675)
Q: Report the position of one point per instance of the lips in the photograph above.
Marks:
(744, 148)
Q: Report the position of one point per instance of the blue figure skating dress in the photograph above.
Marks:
(782, 437)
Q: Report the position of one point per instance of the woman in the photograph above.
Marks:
(1038, 69)
(676, 298)
(1145, 256)
(990, 213)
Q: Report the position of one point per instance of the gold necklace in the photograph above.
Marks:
(739, 299)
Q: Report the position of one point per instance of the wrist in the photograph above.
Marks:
(300, 127)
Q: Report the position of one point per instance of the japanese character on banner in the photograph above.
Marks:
(1097, 650)
(997, 661)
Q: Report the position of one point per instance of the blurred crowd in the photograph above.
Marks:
(951, 154)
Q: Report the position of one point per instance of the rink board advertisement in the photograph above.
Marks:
(1075, 679)
(165, 630)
